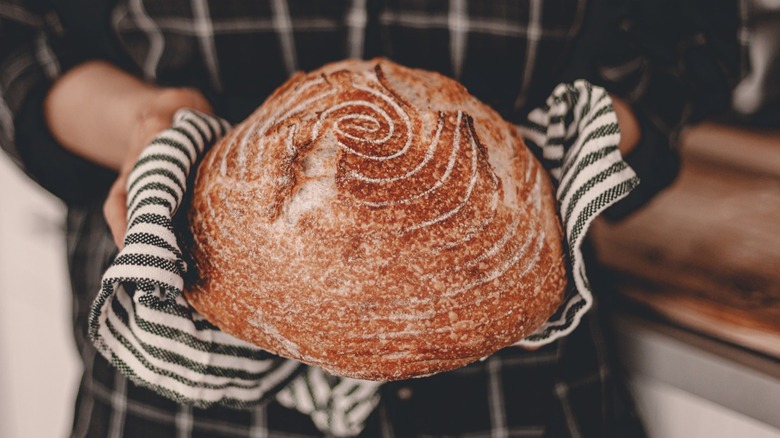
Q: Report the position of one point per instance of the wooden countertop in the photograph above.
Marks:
(706, 252)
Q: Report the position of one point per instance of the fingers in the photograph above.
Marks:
(630, 131)
(115, 210)
(156, 116)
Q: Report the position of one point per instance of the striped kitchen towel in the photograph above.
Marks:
(141, 322)
(575, 135)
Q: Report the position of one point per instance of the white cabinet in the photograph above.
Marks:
(690, 386)
(39, 368)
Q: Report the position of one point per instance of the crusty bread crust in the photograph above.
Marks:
(376, 221)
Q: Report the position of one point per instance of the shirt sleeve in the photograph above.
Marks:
(675, 63)
(34, 51)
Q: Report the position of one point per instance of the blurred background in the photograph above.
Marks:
(39, 367)
(698, 280)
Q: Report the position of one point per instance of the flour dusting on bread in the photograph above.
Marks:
(377, 221)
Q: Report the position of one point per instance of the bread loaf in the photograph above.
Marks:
(376, 221)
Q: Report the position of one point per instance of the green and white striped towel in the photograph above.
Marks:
(575, 135)
(141, 322)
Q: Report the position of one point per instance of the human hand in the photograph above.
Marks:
(155, 118)
(108, 116)
(630, 132)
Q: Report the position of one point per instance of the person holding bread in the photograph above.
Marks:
(85, 88)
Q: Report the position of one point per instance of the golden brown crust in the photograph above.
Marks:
(377, 221)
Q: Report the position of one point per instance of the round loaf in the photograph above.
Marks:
(376, 221)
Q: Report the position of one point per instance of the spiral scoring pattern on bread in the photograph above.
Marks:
(377, 221)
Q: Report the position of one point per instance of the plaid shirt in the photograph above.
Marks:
(509, 53)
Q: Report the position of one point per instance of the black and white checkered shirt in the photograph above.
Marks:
(509, 53)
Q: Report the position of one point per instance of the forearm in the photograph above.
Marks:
(108, 116)
(102, 113)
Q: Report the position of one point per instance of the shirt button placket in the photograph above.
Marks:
(404, 393)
